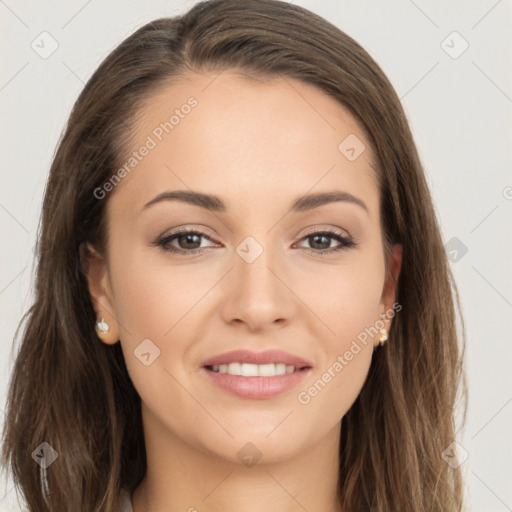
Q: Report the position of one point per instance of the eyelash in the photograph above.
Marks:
(345, 242)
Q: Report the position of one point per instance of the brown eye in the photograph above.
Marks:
(320, 242)
(187, 241)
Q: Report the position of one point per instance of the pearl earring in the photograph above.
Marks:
(102, 327)
(383, 332)
(383, 336)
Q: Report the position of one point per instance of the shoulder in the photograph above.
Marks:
(125, 502)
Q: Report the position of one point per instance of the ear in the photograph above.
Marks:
(389, 291)
(95, 270)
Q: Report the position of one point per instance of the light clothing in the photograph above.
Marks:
(125, 501)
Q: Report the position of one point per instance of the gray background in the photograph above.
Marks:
(459, 108)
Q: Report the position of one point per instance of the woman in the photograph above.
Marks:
(302, 353)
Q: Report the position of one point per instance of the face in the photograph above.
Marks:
(184, 283)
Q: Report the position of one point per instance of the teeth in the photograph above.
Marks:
(254, 370)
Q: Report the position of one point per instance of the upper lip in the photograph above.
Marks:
(265, 357)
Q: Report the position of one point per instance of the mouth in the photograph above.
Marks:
(256, 375)
(257, 381)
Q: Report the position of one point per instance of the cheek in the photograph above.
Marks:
(151, 297)
(347, 297)
(153, 302)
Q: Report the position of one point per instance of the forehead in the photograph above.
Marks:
(227, 134)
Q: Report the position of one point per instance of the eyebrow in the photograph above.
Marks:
(215, 204)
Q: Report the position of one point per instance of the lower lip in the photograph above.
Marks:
(256, 388)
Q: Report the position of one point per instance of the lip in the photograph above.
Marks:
(256, 388)
(265, 357)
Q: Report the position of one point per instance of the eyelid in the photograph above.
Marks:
(201, 230)
(320, 229)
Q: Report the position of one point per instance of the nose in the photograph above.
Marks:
(258, 292)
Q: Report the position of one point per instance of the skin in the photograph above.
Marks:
(258, 145)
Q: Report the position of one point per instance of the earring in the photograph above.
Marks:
(383, 332)
(102, 327)
(383, 336)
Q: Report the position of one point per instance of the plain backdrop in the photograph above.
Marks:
(450, 63)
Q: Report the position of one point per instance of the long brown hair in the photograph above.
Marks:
(73, 392)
